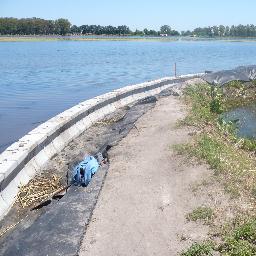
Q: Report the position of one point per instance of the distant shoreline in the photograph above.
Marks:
(42, 38)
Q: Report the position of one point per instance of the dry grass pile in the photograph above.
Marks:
(38, 189)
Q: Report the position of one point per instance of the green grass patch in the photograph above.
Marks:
(199, 249)
(238, 241)
(201, 213)
(199, 99)
(234, 167)
(241, 241)
(222, 156)
(217, 143)
(231, 158)
(249, 145)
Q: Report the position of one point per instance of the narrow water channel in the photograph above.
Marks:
(245, 118)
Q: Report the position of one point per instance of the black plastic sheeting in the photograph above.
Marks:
(242, 73)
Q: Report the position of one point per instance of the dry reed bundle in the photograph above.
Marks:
(38, 189)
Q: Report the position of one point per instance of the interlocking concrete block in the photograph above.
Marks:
(86, 122)
(75, 131)
(88, 103)
(101, 113)
(49, 150)
(3, 206)
(57, 122)
(93, 117)
(41, 158)
(6, 167)
(72, 112)
(61, 141)
(9, 193)
(117, 104)
(15, 153)
(30, 141)
(21, 178)
(2, 176)
(31, 168)
(110, 108)
(104, 111)
(79, 128)
(46, 129)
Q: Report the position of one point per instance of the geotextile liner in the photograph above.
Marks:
(242, 73)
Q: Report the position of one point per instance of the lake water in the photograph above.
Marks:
(41, 79)
(245, 118)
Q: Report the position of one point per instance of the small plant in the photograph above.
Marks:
(199, 97)
(247, 232)
(232, 190)
(202, 213)
(180, 149)
(249, 145)
(199, 249)
(227, 128)
(216, 102)
(254, 192)
(242, 241)
(234, 247)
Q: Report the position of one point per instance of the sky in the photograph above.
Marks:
(140, 14)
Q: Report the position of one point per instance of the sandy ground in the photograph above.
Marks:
(147, 193)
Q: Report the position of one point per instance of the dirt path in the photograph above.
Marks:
(147, 193)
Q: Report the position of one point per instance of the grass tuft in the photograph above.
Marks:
(201, 213)
(200, 249)
(241, 242)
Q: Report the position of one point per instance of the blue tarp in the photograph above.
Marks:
(84, 171)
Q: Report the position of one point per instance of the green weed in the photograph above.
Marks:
(199, 249)
(202, 213)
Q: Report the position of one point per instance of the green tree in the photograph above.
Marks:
(62, 26)
(75, 29)
(138, 33)
(146, 32)
(222, 30)
(227, 31)
(165, 29)
(186, 33)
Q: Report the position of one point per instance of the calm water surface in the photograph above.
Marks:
(41, 79)
(245, 118)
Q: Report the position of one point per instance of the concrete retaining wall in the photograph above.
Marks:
(24, 158)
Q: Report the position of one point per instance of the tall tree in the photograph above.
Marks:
(165, 29)
(62, 26)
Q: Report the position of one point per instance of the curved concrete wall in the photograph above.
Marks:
(20, 162)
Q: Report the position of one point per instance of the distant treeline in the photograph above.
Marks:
(34, 26)
(223, 31)
(37, 26)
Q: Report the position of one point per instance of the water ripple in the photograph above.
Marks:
(40, 79)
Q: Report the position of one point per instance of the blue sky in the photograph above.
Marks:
(179, 14)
